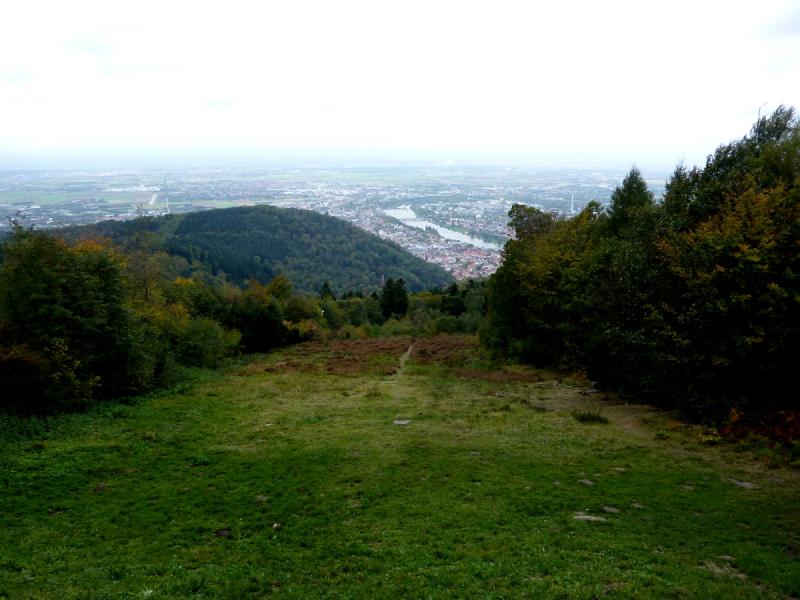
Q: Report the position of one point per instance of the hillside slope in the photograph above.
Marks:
(263, 241)
(357, 469)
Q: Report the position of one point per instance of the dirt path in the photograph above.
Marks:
(402, 391)
(403, 360)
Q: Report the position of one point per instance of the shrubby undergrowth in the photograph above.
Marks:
(88, 321)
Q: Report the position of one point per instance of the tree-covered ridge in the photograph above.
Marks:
(692, 302)
(264, 241)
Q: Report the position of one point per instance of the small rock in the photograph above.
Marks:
(610, 509)
(474, 453)
(556, 483)
(402, 421)
(724, 570)
(586, 482)
(726, 557)
(744, 484)
(777, 480)
(261, 499)
(277, 526)
(687, 487)
(618, 469)
(637, 505)
(590, 518)
(223, 533)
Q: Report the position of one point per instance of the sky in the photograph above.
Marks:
(614, 80)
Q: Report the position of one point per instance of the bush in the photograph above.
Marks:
(305, 330)
(66, 305)
(25, 377)
(447, 324)
(590, 415)
(204, 343)
(395, 327)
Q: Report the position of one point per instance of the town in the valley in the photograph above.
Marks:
(452, 216)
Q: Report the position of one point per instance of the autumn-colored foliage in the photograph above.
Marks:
(86, 321)
(691, 302)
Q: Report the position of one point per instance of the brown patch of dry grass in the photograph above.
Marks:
(366, 357)
(445, 349)
(464, 356)
(342, 357)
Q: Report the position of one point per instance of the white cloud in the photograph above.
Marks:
(616, 78)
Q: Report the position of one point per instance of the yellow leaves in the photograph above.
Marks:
(89, 245)
(173, 318)
(740, 240)
(307, 329)
(720, 361)
(93, 248)
(752, 340)
(777, 289)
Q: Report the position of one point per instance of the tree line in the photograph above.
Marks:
(87, 320)
(690, 302)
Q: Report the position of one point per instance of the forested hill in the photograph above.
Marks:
(263, 241)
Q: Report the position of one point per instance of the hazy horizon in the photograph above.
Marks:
(192, 158)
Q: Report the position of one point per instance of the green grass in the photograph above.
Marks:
(591, 414)
(277, 478)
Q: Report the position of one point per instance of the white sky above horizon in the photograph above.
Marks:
(594, 80)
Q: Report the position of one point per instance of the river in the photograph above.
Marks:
(409, 217)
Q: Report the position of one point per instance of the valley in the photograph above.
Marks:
(471, 202)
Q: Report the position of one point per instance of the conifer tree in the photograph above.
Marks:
(627, 199)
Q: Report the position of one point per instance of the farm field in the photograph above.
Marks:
(388, 468)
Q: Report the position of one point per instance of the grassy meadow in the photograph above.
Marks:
(360, 469)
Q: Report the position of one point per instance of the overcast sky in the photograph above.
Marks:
(634, 81)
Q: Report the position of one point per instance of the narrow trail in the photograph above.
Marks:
(399, 388)
(403, 360)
